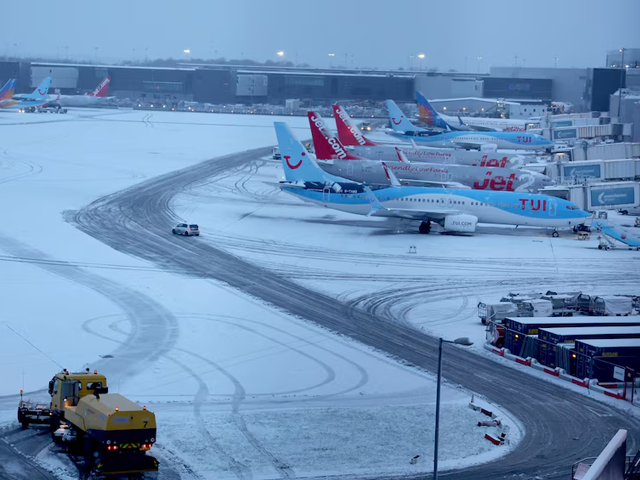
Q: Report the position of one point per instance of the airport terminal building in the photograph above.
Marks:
(587, 89)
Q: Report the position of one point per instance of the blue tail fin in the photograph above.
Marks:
(8, 89)
(41, 90)
(296, 161)
(399, 122)
(429, 115)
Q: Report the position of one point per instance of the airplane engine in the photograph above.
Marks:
(488, 147)
(460, 223)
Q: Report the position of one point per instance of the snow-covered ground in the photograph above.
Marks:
(236, 385)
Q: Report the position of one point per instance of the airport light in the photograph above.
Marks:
(186, 50)
(465, 342)
(621, 83)
(331, 55)
(280, 53)
(421, 57)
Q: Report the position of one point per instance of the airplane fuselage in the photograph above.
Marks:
(503, 208)
(472, 158)
(481, 178)
(502, 140)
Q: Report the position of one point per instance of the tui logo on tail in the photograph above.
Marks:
(293, 167)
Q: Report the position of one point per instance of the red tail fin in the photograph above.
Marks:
(348, 133)
(326, 145)
(101, 90)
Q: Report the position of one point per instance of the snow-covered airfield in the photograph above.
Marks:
(242, 389)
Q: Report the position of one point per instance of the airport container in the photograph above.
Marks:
(535, 308)
(550, 337)
(516, 328)
(495, 312)
(595, 356)
(613, 195)
(612, 305)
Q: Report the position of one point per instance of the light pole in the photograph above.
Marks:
(479, 62)
(410, 62)
(331, 55)
(621, 83)
(458, 341)
(421, 57)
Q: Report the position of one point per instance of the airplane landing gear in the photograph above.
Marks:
(555, 234)
(425, 227)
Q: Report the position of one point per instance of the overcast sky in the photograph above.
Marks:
(373, 33)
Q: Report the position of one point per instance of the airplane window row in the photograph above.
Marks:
(453, 202)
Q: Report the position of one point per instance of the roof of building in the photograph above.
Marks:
(138, 67)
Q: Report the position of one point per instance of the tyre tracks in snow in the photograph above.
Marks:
(549, 413)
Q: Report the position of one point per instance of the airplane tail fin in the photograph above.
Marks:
(41, 90)
(101, 90)
(8, 89)
(348, 132)
(296, 161)
(326, 145)
(429, 115)
(399, 122)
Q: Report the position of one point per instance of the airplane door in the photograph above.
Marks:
(553, 207)
(326, 194)
(350, 168)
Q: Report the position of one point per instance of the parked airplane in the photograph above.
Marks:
(351, 136)
(35, 99)
(428, 115)
(404, 129)
(334, 158)
(97, 97)
(457, 210)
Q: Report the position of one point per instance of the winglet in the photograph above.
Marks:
(401, 156)
(375, 203)
(413, 143)
(462, 124)
(391, 176)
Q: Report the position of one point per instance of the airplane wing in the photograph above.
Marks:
(415, 214)
(431, 183)
(480, 128)
(471, 145)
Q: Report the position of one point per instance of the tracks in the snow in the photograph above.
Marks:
(550, 414)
